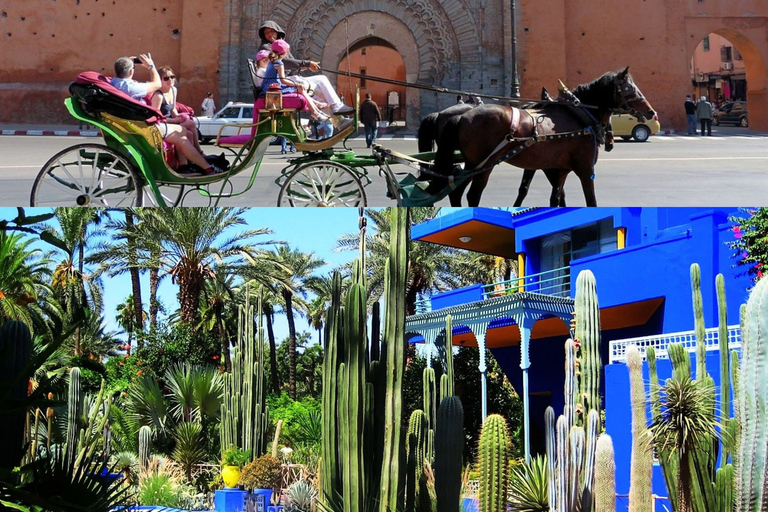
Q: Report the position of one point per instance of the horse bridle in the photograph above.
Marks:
(626, 92)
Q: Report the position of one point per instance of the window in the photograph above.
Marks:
(705, 43)
(231, 113)
(736, 54)
(362, 78)
(726, 53)
(248, 113)
(558, 249)
(362, 51)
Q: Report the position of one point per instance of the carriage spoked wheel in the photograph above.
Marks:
(87, 175)
(322, 183)
(172, 194)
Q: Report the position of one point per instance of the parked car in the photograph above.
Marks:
(628, 127)
(231, 113)
(731, 112)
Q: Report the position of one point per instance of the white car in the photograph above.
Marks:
(232, 113)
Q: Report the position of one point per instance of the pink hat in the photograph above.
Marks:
(262, 54)
(280, 46)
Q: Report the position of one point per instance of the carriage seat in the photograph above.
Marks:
(95, 95)
(291, 103)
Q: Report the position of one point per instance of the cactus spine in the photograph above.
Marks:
(244, 414)
(494, 457)
(605, 475)
(145, 445)
(641, 469)
(752, 471)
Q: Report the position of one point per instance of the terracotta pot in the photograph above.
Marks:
(230, 475)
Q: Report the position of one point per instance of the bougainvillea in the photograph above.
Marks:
(751, 241)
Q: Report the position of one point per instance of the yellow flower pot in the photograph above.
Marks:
(230, 475)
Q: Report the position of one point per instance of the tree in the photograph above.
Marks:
(126, 318)
(190, 240)
(218, 295)
(751, 241)
(431, 267)
(25, 294)
(300, 265)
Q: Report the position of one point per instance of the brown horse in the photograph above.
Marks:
(555, 137)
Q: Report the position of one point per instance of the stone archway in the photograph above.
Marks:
(742, 35)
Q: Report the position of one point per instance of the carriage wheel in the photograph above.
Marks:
(172, 193)
(322, 183)
(87, 175)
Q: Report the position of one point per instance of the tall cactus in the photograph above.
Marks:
(752, 470)
(244, 413)
(74, 409)
(587, 335)
(605, 475)
(145, 445)
(493, 462)
(15, 354)
(641, 468)
(363, 464)
(449, 445)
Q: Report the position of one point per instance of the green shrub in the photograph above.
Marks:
(159, 490)
(263, 473)
(234, 456)
(297, 415)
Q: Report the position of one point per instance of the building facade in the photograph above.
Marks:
(467, 45)
(641, 260)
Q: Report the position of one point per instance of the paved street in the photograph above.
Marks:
(728, 169)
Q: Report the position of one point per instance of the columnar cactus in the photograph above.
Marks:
(493, 462)
(641, 468)
(449, 445)
(244, 414)
(752, 470)
(605, 475)
(587, 335)
(16, 350)
(74, 409)
(145, 445)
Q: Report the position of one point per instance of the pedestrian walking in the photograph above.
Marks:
(370, 117)
(690, 114)
(704, 113)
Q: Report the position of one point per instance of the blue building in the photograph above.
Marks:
(641, 260)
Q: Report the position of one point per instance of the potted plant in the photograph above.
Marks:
(232, 460)
(261, 477)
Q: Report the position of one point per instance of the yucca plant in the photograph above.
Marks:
(684, 425)
(301, 497)
(190, 447)
(528, 491)
(127, 464)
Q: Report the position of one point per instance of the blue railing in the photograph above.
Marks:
(555, 282)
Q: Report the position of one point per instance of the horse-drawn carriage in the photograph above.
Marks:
(133, 167)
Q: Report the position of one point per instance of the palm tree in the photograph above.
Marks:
(76, 288)
(431, 267)
(126, 318)
(191, 238)
(686, 424)
(321, 287)
(301, 266)
(24, 291)
(217, 297)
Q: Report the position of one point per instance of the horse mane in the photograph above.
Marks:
(594, 92)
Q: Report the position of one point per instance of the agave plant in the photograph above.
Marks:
(301, 497)
(126, 463)
(528, 486)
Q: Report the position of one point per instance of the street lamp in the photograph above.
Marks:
(515, 92)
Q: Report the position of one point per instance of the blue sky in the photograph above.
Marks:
(306, 229)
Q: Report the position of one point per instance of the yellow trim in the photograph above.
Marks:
(521, 271)
(621, 238)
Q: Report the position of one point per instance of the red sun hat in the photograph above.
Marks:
(280, 46)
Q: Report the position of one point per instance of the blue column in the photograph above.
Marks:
(483, 371)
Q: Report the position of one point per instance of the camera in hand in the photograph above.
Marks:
(136, 60)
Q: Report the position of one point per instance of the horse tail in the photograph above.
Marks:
(428, 133)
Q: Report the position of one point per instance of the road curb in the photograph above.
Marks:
(63, 133)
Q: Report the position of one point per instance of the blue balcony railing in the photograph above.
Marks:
(555, 282)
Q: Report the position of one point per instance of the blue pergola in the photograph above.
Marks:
(523, 308)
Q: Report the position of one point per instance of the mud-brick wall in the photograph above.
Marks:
(45, 43)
